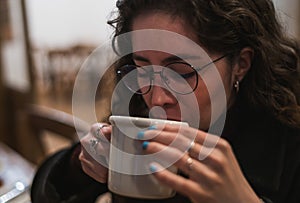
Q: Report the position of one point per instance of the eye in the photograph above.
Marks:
(183, 69)
(188, 75)
(124, 70)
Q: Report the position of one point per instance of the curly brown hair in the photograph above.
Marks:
(222, 26)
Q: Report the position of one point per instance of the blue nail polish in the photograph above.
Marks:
(145, 145)
(152, 127)
(140, 135)
(153, 168)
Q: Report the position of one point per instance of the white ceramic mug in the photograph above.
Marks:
(129, 173)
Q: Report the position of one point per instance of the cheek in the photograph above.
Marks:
(147, 99)
(212, 96)
(203, 98)
(218, 83)
(227, 83)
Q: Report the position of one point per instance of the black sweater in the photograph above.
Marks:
(268, 153)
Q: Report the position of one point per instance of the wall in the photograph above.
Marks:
(289, 12)
(57, 23)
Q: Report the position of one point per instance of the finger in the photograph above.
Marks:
(201, 137)
(95, 146)
(198, 173)
(172, 139)
(87, 169)
(92, 167)
(175, 139)
(176, 182)
(102, 153)
(198, 151)
(168, 156)
(176, 129)
(100, 130)
(97, 142)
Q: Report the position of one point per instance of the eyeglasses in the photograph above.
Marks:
(179, 77)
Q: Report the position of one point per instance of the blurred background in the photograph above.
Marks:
(43, 44)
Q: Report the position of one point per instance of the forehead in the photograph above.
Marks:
(163, 21)
(159, 20)
(158, 35)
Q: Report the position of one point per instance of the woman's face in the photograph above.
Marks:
(160, 100)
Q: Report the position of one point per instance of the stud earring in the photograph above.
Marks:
(237, 86)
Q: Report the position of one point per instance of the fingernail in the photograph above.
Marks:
(140, 135)
(145, 145)
(153, 168)
(153, 127)
(104, 127)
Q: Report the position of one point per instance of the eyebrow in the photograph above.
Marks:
(178, 57)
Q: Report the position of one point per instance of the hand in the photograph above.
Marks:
(95, 151)
(213, 171)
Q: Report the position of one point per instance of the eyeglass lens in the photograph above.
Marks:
(178, 77)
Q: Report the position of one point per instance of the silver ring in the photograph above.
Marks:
(99, 134)
(191, 146)
(189, 163)
(93, 145)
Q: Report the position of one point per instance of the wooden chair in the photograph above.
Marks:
(44, 119)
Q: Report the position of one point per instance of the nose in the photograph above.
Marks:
(160, 95)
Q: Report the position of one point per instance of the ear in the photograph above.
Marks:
(242, 64)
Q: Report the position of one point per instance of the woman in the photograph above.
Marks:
(257, 158)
